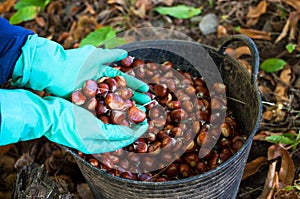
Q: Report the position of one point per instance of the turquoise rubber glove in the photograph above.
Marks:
(25, 116)
(45, 65)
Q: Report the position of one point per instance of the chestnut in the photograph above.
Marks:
(117, 117)
(112, 84)
(124, 93)
(145, 177)
(121, 81)
(184, 170)
(105, 119)
(138, 63)
(172, 170)
(103, 89)
(128, 175)
(101, 109)
(166, 66)
(140, 146)
(226, 130)
(114, 101)
(94, 162)
(160, 90)
(191, 159)
(178, 115)
(136, 115)
(148, 163)
(78, 98)
(187, 105)
(91, 104)
(90, 88)
(127, 61)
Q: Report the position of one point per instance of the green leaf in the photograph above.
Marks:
(273, 65)
(179, 11)
(114, 42)
(290, 47)
(24, 14)
(279, 139)
(39, 3)
(98, 37)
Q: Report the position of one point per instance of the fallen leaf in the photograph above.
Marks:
(120, 2)
(255, 12)
(89, 8)
(287, 169)
(146, 3)
(165, 2)
(140, 12)
(294, 3)
(6, 6)
(291, 24)
(255, 34)
(238, 52)
(221, 31)
(269, 182)
(268, 115)
(253, 166)
(40, 21)
(286, 173)
(281, 87)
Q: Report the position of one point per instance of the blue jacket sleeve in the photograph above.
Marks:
(12, 38)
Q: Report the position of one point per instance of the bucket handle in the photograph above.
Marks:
(253, 49)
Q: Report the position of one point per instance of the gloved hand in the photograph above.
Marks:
(45, 65)
(26, 116)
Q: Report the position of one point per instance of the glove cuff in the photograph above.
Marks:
(22, 71)
(12, 124)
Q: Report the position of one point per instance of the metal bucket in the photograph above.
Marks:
(221, 182)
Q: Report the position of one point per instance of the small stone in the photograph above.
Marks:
(209, 24)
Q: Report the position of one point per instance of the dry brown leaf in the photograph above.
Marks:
(253, 166)
(255, 34)
(140, 12)
(40, 21)
(291, 24)
(221, 32)
(120, 2)
(89, 8)
(166, 2)
(146, 3)
(269, 183)
(281, 87)
(261, 136)
(268, 115)
(6, 6)
(238, 52)
(287, 169)
(294, 3)
(255, 12)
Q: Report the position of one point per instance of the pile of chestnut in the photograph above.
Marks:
(109, 100)
(191, 129)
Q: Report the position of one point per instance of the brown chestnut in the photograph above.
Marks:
(127, 61)
(136, 115)
(178, 115)
(114, 101)
(121, 81)
(78, 98)
(117, 117)
(90, 88)
(160, 90)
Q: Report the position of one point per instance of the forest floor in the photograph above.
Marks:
(272, 24)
